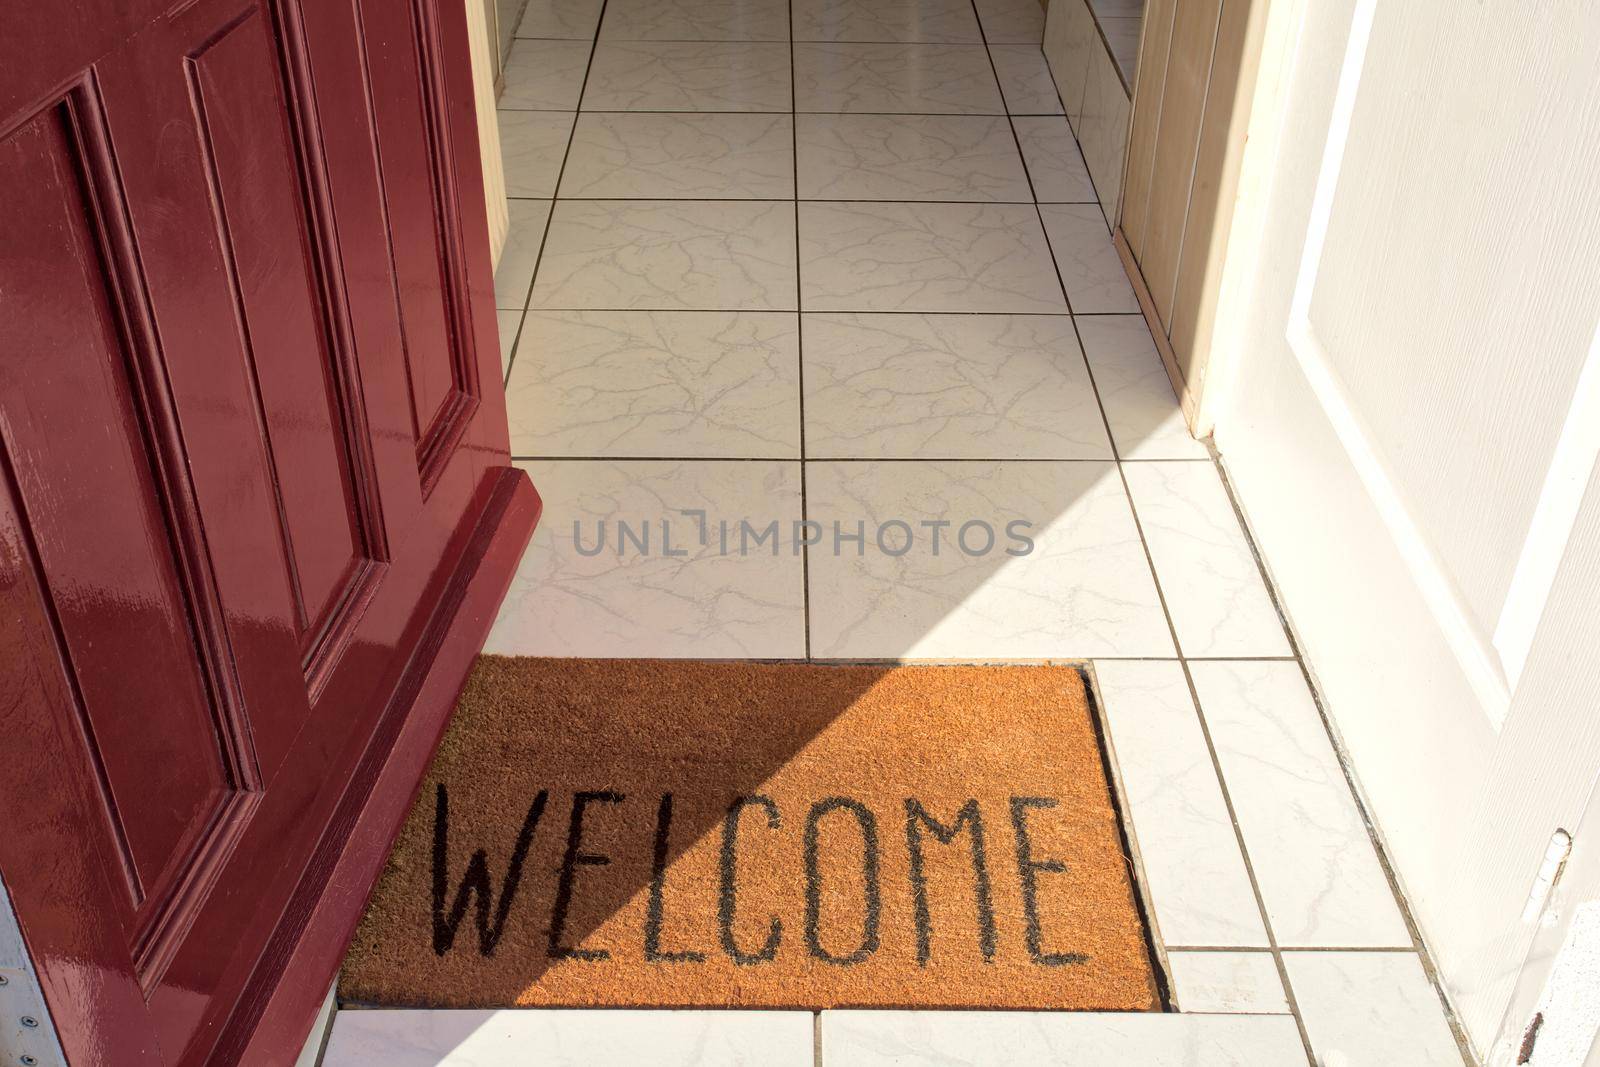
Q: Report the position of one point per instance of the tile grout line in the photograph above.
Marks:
(1227, 798)
(1183, 661)
(800, 368)
(1072, 128)
(1373, 950)
(1116, 458)
(1418, 945)
(1222, 784)
(1197, 659)
(771, 40)
(779, 113)
(883, 459)
(1277, 957)
(807, 200)
(555, 192)
(827, 311)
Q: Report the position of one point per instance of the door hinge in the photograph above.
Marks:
(1555, 858)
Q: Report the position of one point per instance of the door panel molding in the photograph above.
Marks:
(1554, 518)
(420, 124)
(326, 474)
(250, 176)
(307, 139)
(165, 896)
(451, 418)
(192, 875)
(1492, 663)
(115, 1002)
(1471, 648)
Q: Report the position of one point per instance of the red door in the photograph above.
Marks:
(255, 507)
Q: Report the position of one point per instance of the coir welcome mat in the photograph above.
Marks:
(680, 833)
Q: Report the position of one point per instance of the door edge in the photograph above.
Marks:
(280, 1002)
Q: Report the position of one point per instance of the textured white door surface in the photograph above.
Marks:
(1412, 421)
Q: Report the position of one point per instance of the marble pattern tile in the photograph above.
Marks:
(933, 331)
(1319, 874)
(1194, 872)
(521, 253)
(1059, 1039)
(544, 75)
(1054, 163)
(1069, 38)
(948, 387)
(574, 597)
(571, 1038)
(1025, 80)
(1011, 21)
(1146, 421)
(1122, 34)
(1090, 269)
(1227, 983)
(532, 146)
(925, 257)
(1209, 577)
(1103, 127)
(1119, 9)
(509, 322)
(689, 76)
(696, 20)
(1082, 590)
(657, 383)
(572, 19)
(896, 79)
(909, 157)
(733, 255)
(1371, 1007)
(729, 157)
(948, 21)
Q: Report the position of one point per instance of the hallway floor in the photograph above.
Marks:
(812, 326)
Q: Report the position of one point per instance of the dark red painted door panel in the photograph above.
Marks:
(408, 124)
(237, 92)
(118, 596)
(250, 426)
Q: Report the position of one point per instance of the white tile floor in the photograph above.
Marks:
(937, 331)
